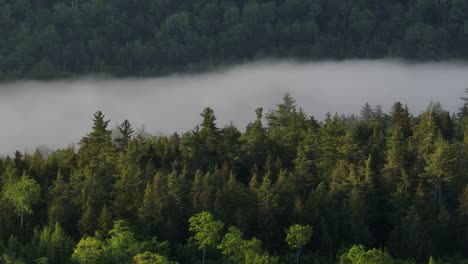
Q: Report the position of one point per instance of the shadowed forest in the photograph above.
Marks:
(56, 38)
(377, 188)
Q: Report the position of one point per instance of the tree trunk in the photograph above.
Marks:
(440, 194)
(204, 251)
(298, 255)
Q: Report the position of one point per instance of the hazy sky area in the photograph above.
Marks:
(59, 113)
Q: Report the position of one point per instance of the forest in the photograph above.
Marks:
(43, 39)
(376, 188)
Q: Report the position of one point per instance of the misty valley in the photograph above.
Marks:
(233, 132)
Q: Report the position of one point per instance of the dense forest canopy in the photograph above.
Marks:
(378, 188)
(56, 38)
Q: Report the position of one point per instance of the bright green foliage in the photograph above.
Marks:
(88, 251)
(150, 258)
(121, 245)
(241, 251)
(206, 230)
(52, 244)
(11, 260)
(359, 255)
(297, 236)
(22, 194)
(254, 258)
(233, 245)
(441, 167)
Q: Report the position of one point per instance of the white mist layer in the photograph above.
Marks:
(59, 113)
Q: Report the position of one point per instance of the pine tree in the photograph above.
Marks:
(256, 141)
(400, 119)
(234, 204)
(254, 182)
(305, 163)
(105, 221)
(336, 142)
(126, 132)
(441, 168)
(129, 185)
(147, 213)
(396, 157)
(210, 135)
(367, 113)
(286, 125)
(178, 207)
(96, 160)
(60, 208)
(267, 209)
(87, 223)
(98, 142)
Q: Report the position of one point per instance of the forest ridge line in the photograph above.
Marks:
(288, 190)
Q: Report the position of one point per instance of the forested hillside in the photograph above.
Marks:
(55, 38)
(380, 188)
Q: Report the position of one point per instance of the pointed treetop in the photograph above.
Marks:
(99, 124)
(209, 119)
(259, 113)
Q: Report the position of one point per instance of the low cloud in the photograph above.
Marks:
(59, 113)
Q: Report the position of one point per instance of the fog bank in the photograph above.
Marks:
(59, 113)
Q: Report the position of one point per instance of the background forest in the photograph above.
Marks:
(57, 38)
(288, 188)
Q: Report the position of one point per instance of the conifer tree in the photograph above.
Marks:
(234, 205)
(60, 208)
(400, 119)
(305, 163)
(267, 209)
(441, 168)
(396, 157)
(126, 132)
(256, 141)
(129, 184)
(367, 113)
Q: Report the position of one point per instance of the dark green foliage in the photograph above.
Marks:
(57, 38)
